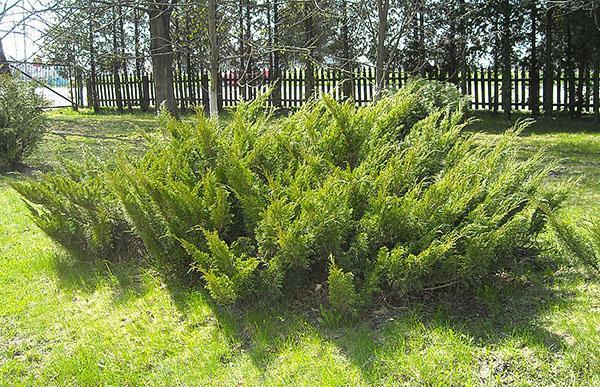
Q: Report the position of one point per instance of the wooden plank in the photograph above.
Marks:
(514, 103)
(523, 88)
(370, 84)
(475, 89)
(596, 97)
(482, 87)
(496, 89)
(489, 88)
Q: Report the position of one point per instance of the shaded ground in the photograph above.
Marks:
(70, 322)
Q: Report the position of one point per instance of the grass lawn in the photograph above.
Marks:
(64, 321)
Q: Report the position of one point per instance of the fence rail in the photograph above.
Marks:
(578, 92)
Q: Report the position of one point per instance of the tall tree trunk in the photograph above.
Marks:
(548, 66)
(124, 56)
(463, 47)
(93, 75)
(275, 71)
(451, 66)
(421, 43)
(242, 48)
(4, 68)
(570, 69)
(139, 60)
(534, 71)
(380, 62)
(348, 67)
(116, 63)
(248, 54)
(214, 58)
(161, 51)
(506, 48)
(308, 43)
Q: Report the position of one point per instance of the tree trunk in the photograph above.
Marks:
(308, 43)
(451, 66)
(275, 71)
(242, 48)
(462, 47)
(116, 64)
(534, 71)
(124, 56)
(214, 58)
(162, 55)
(421, 43)
(4, 68)
(380, 62)
(506, 47)
(348, 68)
(248, 54)
(570, 70)
(93, 76)
(548, 67)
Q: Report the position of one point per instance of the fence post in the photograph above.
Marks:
(118, 93)
(220, 92)
(80, 88)
(204, 86)
(191, 79)
(91, 92)
(534, 89)
(145, 98)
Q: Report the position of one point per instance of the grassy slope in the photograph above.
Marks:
(72, 322)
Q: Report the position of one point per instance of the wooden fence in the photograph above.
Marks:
(579, 92)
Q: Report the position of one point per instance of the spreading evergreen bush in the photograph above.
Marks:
(76, 207)
(21, 120)
(388, 198)
(581, 241)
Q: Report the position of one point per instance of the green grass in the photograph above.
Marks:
(64, 321)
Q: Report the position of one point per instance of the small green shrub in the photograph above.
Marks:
(394, 191)
(21, 120)
(76, 208)
(342, 295)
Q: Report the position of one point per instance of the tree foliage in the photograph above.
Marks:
(21, 120)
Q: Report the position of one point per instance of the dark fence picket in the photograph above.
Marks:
(489, 89)
(482, 87)
(515, 100)
(475, 89)
(522, 79)
(596, 92)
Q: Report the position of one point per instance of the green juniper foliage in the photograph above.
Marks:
(21, 120)
(391, 197)
(581, 242)
(76, 208)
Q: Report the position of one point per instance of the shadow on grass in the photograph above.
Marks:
(508, 307)
(87, 276)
